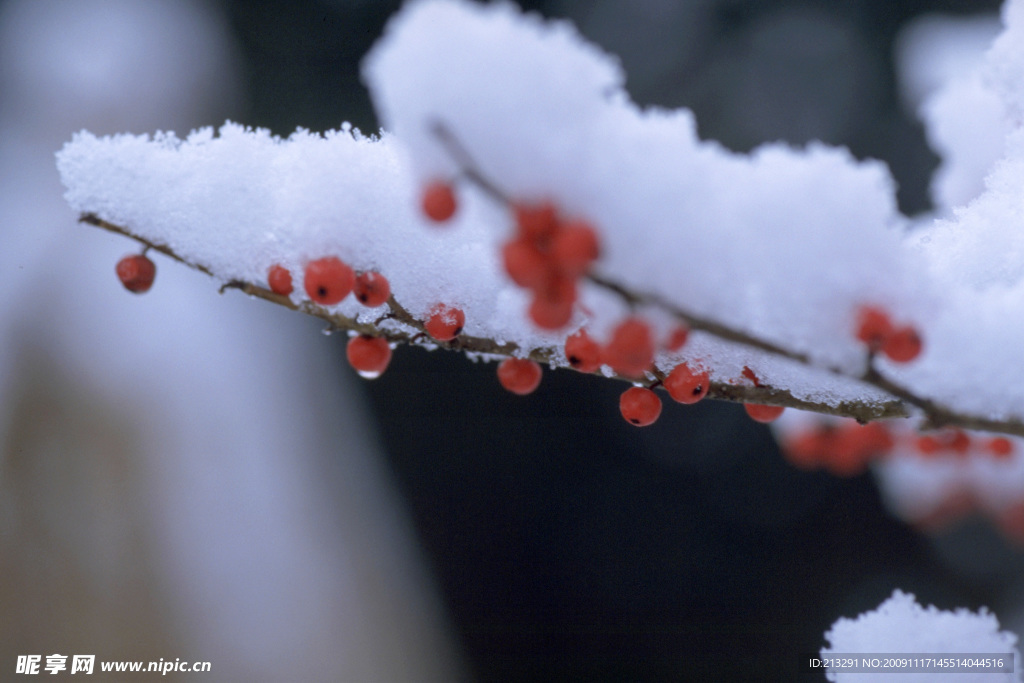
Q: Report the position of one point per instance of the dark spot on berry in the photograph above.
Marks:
(634, 420)
(458, 331)
(321, 291)
(699, 388)
(363, 298)
(573, 360)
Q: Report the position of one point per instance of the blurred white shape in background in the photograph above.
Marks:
(181, 476)
(940, 61)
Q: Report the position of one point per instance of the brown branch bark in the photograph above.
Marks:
(902, 404)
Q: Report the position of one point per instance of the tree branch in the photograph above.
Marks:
(899, 406)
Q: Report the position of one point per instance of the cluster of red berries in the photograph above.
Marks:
(900, 343)
(630, 353)
(956, 442)
(548, 255)
(845, 449)
(328, 281)
(640, 406)
(370, 355)
(1010, 521)
(961, 502)
(961, 496)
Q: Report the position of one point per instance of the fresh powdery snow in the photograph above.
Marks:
(783, 243)
(900, 631)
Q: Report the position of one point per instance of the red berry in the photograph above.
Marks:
(1000, 446)
(845, 457)
(553, 303)
(807, 450)
(582, 352)
(536, 222)
(525, 264)
(677, 338)
(372, 289)
(368, 355)
(439, 201)
(519, 375)
(136, 273)
(328, 280)
(575, 247)
(903, 345)
(686, 385)
(873, 327)
(444, 322)
(550, 314)
(959, 442)
(874, 438)
(640, 406)
(957, 504)
(763, 413)
(854, 445)
(280, 280)
(1011, 522)
(630, 351)
(927, 445)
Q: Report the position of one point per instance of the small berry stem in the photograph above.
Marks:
(464, 161)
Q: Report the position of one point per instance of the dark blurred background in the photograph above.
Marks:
(569, 545)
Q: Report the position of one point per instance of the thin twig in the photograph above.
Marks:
(935, 415)
(410, 330)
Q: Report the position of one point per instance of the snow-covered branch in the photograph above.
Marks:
(773, 261)
(413, 332)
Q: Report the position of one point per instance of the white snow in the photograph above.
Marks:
(901, 626)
